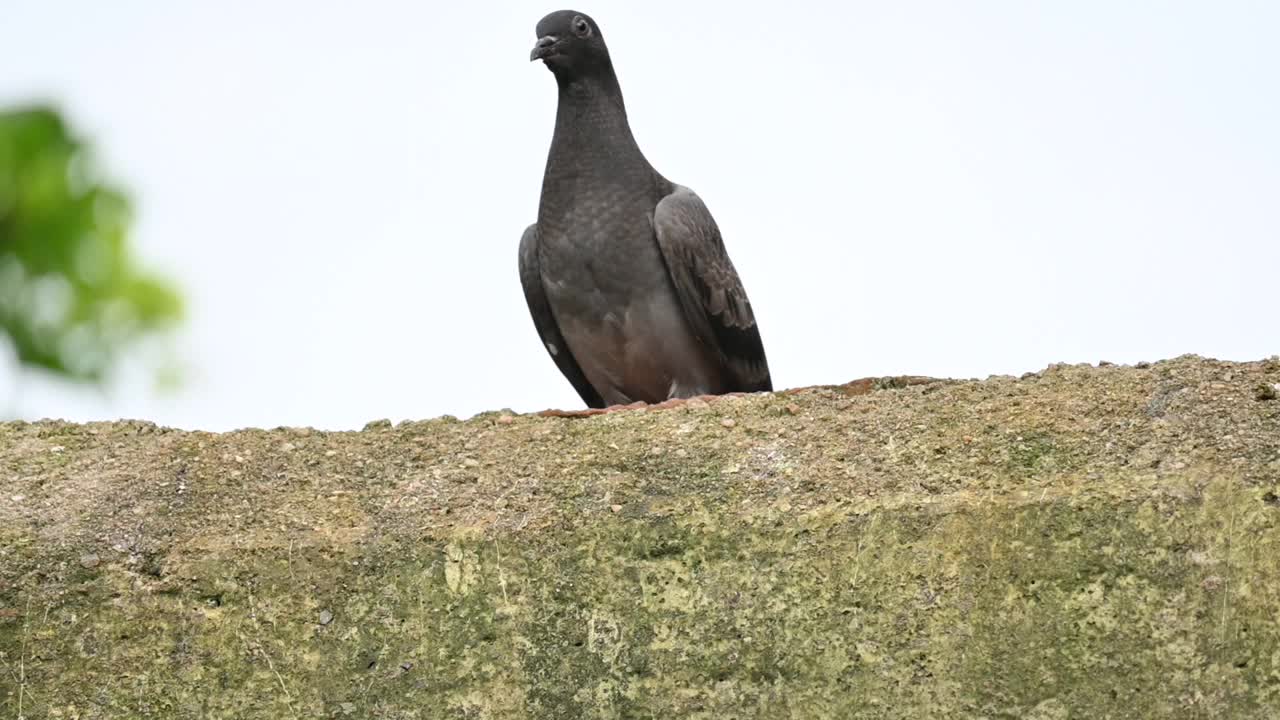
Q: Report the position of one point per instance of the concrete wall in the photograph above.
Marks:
(1087, 542)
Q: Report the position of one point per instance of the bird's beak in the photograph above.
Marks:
(544, 48)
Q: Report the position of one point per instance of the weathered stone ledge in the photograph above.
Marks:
(1085, 542)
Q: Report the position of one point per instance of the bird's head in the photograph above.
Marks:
(570, 45)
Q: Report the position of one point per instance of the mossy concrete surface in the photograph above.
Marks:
(1084, 542)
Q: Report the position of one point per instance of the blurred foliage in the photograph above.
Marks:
(71, 298)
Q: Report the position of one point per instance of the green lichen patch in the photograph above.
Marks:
(1085, 542)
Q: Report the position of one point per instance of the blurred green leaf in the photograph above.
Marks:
(72, 298)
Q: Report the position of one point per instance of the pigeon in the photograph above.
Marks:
(625, 273)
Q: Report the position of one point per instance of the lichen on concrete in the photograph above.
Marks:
(1095, 542)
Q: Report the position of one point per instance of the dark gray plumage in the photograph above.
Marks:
(625, 273)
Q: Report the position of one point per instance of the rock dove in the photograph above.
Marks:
(626, 276)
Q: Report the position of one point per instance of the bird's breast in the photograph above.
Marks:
(600, 261)
(594, 226)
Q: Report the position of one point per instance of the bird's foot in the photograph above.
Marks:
(675, 402)
(665, 404)
(590, 412)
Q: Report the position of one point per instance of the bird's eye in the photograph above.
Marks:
(580, 27)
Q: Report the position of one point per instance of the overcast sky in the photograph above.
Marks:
(939, 188)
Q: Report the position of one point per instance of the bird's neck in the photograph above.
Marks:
(591, 124)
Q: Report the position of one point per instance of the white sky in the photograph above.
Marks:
(938, 188)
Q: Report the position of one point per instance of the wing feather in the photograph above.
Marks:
(711, 294)
(544, 320)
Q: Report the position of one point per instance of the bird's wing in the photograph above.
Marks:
(711, 294)
(545, 321)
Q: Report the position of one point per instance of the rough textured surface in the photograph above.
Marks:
(1098, 542)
